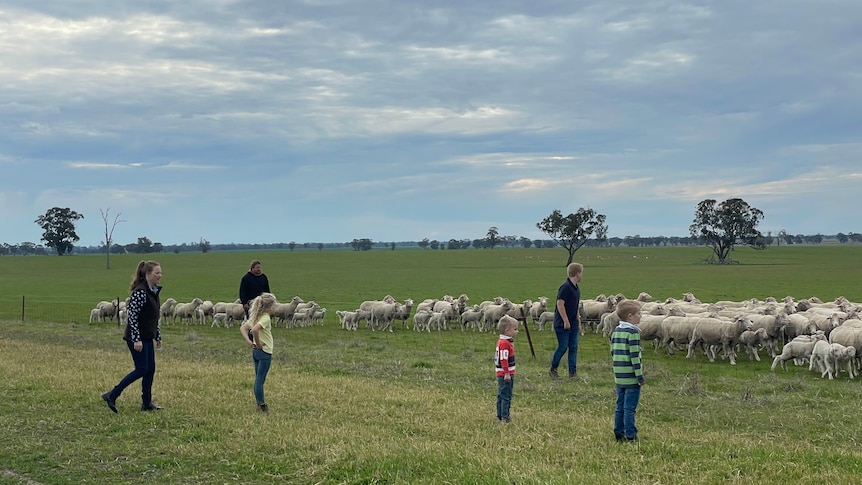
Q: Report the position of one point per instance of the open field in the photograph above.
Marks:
(372, 407)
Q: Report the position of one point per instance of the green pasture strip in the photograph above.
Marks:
(404, 407)
(64, 289)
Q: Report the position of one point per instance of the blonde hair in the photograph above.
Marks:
(260, 305)
(628, 307)
(506, 323)
(574, 269)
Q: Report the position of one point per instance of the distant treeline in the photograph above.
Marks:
(145, 246)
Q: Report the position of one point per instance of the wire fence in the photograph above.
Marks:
(49, 309)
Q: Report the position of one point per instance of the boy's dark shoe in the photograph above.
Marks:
(506, 420)
(574, 376)
(626, 439)
(620, 438)
(150, 407)
(553, 374)
(111, 402)
(263, 408)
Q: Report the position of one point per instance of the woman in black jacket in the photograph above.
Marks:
(143, 335)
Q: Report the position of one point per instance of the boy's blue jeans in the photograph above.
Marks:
(262, 361)
(504, 396)
(624, 417)
(567, 340)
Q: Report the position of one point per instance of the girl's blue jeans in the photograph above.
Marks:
(262, 361)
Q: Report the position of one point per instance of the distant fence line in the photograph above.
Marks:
(48, 309)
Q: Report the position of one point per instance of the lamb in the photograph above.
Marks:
(221, 318)
(844, 357)
(186, 311)
(849, 334)
(799, 348)
(437, 320)
(318, 316)
(304, 314)
(107, 310)
(608, 323)
(752, 339)
(724, 334)
(545, 317)
(426, 304)
(471, 318)
(449, 310)
(824, 360)
(348, 320)
(95, 315)
(420, 320)
(205, 310)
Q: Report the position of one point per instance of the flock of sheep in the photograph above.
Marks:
(828, 336)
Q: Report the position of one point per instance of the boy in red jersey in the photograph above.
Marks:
(504, 360)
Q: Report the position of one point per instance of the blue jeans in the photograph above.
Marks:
(567, 340)
(262, 361)
(504, 396)
(145, 369)
(624, 417)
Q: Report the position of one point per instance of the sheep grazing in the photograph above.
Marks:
(799, 348)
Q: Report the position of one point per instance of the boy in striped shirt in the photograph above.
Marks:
(628, 373)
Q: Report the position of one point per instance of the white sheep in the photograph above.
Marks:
(95, 315)
(773, 326)
(844, 357)
(538, 307)
(283, 312)
(166, 311)
(545, 317)
(348, 320)
(751, 340)
(382, 313)
(493, 314)
(722, 334)
(677, 331)
(849, 334)
(472, 319)
(402, 312)
(797, 349)
(420, 320)
(221, 318)
(186, 311)
(318, 316)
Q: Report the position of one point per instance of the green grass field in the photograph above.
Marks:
(404, 407)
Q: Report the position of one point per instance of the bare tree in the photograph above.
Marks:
(109, 233)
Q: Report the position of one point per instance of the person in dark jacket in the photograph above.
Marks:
(142, 335)
(254, 283)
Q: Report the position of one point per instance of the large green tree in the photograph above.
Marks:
(59, 226)
(721, 226)
(574, 230)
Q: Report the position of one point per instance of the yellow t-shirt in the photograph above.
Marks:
(265, 332)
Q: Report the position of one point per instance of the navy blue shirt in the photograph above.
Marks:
(570, 293)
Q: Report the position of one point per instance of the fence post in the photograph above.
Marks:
(22, 308)
(117, 312)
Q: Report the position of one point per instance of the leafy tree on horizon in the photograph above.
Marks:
(574, 230)
(59, 226)
(721, 226)
(492, 239)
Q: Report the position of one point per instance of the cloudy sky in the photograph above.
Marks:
(327, 120)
